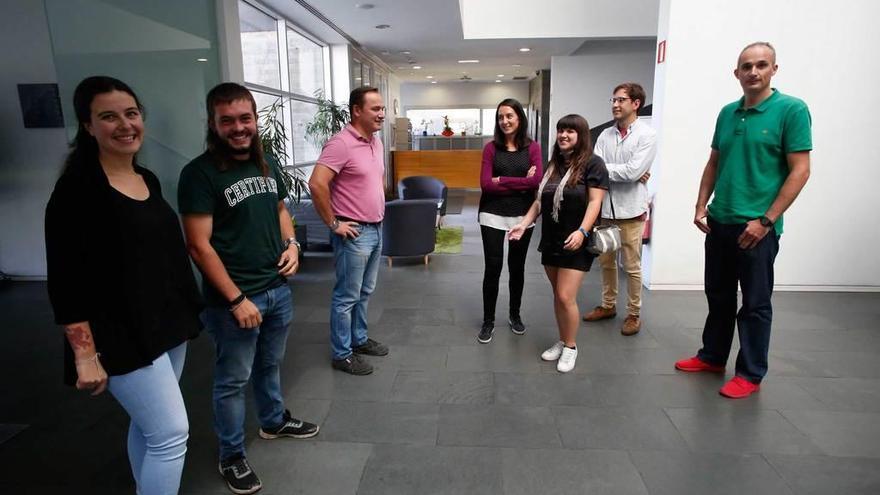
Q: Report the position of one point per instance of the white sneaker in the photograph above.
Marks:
(567, 360)
(553, 353)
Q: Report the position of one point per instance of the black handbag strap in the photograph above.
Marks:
(611, 200)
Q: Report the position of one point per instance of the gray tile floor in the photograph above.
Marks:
(443, 414)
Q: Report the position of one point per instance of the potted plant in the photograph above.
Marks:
(273, 137)
(329, 119)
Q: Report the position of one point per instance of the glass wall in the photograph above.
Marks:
(282, 63)
(166, 50)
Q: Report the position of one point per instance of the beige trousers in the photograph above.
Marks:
(631, 254)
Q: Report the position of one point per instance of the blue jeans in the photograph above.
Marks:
(727, 264)
(357, 267)
(159, 428)
(244, 354)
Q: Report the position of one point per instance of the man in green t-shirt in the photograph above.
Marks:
(759, 163)
(240, 235)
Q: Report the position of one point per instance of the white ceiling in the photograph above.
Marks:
(431, 30)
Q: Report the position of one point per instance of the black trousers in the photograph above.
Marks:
(726, 265)
(493, 253)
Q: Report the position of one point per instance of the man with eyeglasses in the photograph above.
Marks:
(760, 161)
(628, 149)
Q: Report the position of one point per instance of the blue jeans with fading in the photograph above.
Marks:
(357, 268)
(248, 354)
(159, 428)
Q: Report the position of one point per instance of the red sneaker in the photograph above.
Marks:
(697, 364)
(739, 388)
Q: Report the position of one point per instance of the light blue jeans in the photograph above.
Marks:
(357, 267)
(159, 427)
(253, 354)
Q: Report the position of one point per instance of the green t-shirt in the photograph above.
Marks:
(244, 205)
(752, 146)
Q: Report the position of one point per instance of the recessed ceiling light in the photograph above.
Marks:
(500, 75)
(357, 79)
(383, 26)
(201, 60)
(429, 77)
(401, 68)
(417, 67)
(433, 82)
(386, 52)
(365, 6)
(517, 65)
(406, 52)
(497, 80)
(468, 61)
(524, 49)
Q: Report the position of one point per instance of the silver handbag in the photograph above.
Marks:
(605, 238)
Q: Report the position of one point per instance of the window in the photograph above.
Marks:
(460, 119)
(271, 48)
(488, 121)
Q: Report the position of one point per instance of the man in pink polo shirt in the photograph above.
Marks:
(348, 194)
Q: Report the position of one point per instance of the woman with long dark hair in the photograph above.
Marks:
(120, 281)
(510, 174)
(569, 200)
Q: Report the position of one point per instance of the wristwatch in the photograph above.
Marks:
(766, 222)
(334, 224)
(584, 232)
(292, 240)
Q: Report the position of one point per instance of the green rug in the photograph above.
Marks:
(448, 240)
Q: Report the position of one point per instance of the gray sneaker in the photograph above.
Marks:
(354, 365)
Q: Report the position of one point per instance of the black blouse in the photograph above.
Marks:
(122, 265)
(573, 206)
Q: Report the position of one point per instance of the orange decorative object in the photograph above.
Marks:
(447, 132)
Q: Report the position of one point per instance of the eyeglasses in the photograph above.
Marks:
(618, 99)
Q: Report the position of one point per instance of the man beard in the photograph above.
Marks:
(221, 146)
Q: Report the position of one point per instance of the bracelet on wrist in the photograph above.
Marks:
(93, 359)
(236, 302)
(584, 232)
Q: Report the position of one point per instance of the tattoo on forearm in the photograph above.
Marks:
(79, 338)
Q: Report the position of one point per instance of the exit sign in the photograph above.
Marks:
(661, 52)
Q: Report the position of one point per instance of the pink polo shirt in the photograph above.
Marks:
(357, 191)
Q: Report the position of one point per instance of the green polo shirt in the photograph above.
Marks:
(752, 145)
(246, 232)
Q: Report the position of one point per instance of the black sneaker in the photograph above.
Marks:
(371, 348)
(486, 332)
(516, 325)
(239, 476)
(290, 427)
(354, 365)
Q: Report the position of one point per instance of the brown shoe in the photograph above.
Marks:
(631, 325)
(600, 313)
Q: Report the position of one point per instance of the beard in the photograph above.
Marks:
(222, 147)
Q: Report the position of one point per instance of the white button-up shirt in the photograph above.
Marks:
(627, 158)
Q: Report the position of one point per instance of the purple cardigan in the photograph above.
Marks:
(507, 184)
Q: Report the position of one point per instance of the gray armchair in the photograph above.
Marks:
(408, 228)
(424, 187)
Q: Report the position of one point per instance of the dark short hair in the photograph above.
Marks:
(754, 44)
(357, 96)
(225, 93)
(521, 139)
(634, 91)
(84, 148)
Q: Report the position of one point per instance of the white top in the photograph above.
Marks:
(627, 158)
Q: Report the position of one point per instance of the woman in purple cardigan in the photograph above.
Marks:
(509, 176)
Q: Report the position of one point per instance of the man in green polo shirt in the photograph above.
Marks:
(759, 163)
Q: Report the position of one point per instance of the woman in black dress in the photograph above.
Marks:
(120, 281)
(569, 200)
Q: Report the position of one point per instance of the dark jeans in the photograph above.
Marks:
(493, 253)
(727, 264)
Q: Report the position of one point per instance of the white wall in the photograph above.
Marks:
(824, 53)
(459, 94)
(31, 158)
(583, 82)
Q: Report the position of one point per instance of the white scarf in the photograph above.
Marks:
(557, 195)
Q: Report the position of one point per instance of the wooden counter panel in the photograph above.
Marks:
(457, 168)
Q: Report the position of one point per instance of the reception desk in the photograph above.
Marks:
(457, 168)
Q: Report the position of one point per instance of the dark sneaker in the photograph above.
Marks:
(486, 332)
(354, 365)
(516, 325)
(371, 348)
(239, 476)
(290, 427)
